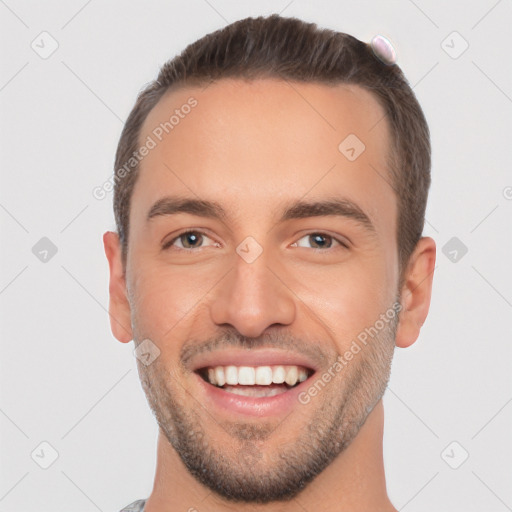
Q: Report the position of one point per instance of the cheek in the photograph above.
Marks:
(348, 299)
(164, 297)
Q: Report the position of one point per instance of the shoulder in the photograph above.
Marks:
(136, 506)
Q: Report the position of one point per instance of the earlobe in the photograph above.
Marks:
(119, 307)
(416, 292)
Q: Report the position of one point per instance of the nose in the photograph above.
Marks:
(252, 298)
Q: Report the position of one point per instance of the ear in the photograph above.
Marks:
(416, 292)
(119, 307)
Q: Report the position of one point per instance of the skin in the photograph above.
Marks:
(255, 147)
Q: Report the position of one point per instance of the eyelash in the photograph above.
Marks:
(171, 242)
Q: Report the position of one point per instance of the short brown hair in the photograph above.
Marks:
(290, 49)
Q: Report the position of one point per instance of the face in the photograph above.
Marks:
(260, 252)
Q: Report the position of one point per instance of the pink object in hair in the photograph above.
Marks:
(383, 49)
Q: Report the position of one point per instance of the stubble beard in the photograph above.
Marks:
(245, 471)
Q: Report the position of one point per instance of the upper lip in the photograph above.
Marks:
(256, 357)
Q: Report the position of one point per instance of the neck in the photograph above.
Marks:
(354, 482)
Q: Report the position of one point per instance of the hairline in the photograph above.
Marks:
(391, 160)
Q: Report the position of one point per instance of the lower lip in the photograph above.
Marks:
(278, 405)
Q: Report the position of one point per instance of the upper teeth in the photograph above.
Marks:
(259, 375)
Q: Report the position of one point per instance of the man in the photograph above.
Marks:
(270, 192)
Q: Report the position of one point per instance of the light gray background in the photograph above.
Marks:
(66, 380)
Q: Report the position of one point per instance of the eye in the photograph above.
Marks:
(318, 241)
(190, 240)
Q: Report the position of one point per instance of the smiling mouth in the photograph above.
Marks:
(255, 381)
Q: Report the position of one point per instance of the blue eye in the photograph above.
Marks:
(193, 239)
(189, 240)
(317, 241)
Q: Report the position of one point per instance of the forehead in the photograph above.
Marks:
(254, 144)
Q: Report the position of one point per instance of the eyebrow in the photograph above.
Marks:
(170, 205)
(343, 207)
(337, 207)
